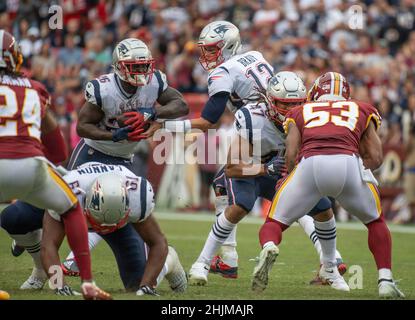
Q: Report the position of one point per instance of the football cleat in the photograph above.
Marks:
(226, 271)
(198, 274)
(341, 267)
(330, 275)
(16, 249)
(70, 268)
(36, 281)
(389, 290)
(266, 260)
(90, 291)
(176, 276)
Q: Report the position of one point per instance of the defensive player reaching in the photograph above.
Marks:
(332, 146)
(24, 171)
(255, 165)
(115, 202)
(233, 78)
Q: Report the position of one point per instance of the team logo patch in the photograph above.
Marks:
(221, 30)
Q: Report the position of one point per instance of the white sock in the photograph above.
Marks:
(385, 274)
(218, 234)
(326, 233)
(307, 223)
(93, 240)
(221, 202)
(162, 273)
(31, 242)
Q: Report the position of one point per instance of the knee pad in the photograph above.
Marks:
(323, 205)
(21, 218)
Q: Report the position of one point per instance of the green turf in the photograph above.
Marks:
(295, 266)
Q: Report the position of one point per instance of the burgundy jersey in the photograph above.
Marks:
(332, 127)
(23, 103)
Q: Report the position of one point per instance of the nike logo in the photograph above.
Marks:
(206, 268)
(331, 271)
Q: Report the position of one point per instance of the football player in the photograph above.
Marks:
(118, 106)
(24, 171)
(115, 202)
(255, 165)
(233, 78)
(332, 146)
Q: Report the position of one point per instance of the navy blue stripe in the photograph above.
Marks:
(326, 238)
(248, 123)
(143, 197)
(224, 69)
(72, 159)
(117, 82)
(222, 229)
(160, 81)
(220, 236)
(97, 93)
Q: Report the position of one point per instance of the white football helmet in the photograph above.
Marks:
(107, 203)
(284, 91)
(133, 62)
(218, 41)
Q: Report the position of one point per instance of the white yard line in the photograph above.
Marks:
(205, 217)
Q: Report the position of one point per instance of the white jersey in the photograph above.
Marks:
(141, 195)
(107, 93)
(240, 76)
(252, 124)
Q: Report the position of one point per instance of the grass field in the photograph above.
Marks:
(295, 266)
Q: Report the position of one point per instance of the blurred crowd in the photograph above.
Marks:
(371, 42)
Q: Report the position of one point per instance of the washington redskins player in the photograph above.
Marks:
(332, 146)
(25, 173)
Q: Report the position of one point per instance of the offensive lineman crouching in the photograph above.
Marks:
(115, 201)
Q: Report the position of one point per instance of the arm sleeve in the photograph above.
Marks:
(243, 124)
(219, 80)
(373, 115)
(162, 82)
(93, 93)
(215, 107)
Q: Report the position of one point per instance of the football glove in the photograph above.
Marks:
(66, 291)
(274, 166)
(137, 119)
(121, 134)
(143, 290)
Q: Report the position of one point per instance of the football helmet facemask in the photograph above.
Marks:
(133, 62)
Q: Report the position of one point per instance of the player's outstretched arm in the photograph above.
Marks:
(172, 104)
(52, 139)
(150, 232)
(89, 116)
(293, 143)
(370, 148)
(53, 235)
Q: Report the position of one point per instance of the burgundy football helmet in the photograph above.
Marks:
(11, 57)
(332, 84)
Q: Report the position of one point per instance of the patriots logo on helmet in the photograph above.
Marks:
(122, 49)
(221, 30)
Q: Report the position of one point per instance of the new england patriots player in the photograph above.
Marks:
(116, 203)
(330, 152)
(255, 165)
(234, 77)
(131, 91)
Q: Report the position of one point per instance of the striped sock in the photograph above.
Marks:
(31, 242)
(307, 223)
(220, 231)
(326, 233)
